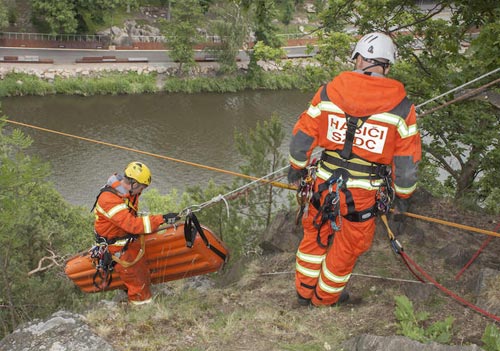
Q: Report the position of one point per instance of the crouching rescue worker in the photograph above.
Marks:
(368, 130)
(119, 227)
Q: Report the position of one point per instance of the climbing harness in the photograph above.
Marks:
(378, 175)
(353, 124)
(104, 264)
(329, 210)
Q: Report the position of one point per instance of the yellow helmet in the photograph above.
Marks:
(139, 172)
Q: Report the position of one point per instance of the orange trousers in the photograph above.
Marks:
(322, 269)
(136, 278)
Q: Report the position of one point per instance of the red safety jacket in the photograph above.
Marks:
(388, 134)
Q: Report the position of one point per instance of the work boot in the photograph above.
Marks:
(344, 296)
(303, 301)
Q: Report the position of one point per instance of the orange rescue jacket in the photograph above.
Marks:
(116, 216)
(388, 136)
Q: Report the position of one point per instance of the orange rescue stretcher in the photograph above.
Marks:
(177, 252)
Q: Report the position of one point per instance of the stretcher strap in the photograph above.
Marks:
(140, 254)
(191, 227)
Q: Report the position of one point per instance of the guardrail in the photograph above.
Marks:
(106, 38)
(53, 37)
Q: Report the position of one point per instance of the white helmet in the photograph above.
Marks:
(375, 45)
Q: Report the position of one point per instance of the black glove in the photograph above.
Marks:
(295, 175)
(400, 205)
(171, 218)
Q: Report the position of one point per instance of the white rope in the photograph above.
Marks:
(358, 275)
(458, 88)
(196, 208)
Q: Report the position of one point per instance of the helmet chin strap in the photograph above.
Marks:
(132, 183)
(376, 63)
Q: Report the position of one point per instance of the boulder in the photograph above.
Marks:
(488, 285)
(283, 235)
(63, 331)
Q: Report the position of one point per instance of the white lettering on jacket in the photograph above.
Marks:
(370, 137)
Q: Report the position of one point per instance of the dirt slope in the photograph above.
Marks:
(252, 305)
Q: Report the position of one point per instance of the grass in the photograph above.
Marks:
(259, 312)
(114, 83)
(108, 83)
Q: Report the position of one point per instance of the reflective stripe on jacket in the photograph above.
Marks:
(116, 217)
(388, 136)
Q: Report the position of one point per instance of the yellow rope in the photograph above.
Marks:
(271, 182)
(451, 224)
(383, 217)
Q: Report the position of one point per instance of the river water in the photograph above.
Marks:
(196, 128)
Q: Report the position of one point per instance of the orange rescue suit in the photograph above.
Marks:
(116, 218)
(387, 135)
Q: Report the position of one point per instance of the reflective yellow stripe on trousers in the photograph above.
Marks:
(313, 259)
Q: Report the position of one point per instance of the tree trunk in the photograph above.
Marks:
(468, 174)
(8, 294)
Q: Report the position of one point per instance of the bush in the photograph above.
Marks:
(411, 323)
(20, 84)
(36, 222)
(491, 338)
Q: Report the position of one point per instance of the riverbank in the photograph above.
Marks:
(49, 72)
(20, 79)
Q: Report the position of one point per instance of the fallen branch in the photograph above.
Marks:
(54, 259)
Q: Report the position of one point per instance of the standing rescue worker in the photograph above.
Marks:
(118, 224)
(368, 130)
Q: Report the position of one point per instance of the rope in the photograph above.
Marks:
(264, 178)
(458, 88)
(276, 184)
(412, 265)
(463, 97)
(450, 224)
(357, 275)
(449, 292)
(478, 252)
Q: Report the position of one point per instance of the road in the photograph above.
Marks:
(69, 56)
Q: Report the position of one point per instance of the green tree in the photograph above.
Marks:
(205, 5)
(251, 204)
(36, 222)
(461, 139)
(181, 32)
(288, 11)
(265, 30)
(4, 18)
(231, 26)
(94, 14)
(58, 15)
(260, 149)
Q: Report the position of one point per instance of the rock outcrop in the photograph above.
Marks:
(63, 331)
